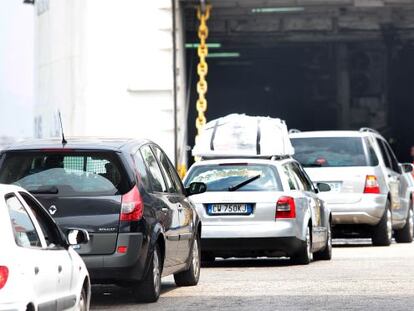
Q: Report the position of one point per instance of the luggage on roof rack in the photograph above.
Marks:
(244, 136)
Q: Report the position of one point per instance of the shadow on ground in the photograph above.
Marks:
(108, 295)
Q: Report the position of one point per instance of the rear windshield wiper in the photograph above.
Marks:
(243, 183)
(45, 190)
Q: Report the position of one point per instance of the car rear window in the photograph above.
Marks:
(67, 174)
(330, 151)
(222, 177)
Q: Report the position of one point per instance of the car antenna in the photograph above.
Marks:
(64, 141)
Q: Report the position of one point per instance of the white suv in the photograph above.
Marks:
(369, 195)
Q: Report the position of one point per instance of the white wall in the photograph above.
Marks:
(16, 70)
(108, 66)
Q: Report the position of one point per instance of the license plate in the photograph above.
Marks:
(229, 209)
(335, 186)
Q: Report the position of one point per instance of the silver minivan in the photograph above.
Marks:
(370, 195)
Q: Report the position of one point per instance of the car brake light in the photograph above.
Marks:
(371, 184)
(4, 275)
(285, 208)
(132, 206)
(122, 249)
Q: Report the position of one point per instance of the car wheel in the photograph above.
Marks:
(326, 253)
(382, 234)
(148, 290)
(190, 276)
(304, 256)
(405, 235)
(82, 304)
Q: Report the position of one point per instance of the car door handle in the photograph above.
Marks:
(36, 270)
(59, 269)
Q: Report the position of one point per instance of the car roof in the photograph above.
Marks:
(241, 160)
(329, 134)
(100, 143)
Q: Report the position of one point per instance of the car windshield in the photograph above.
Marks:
(64, 173)
(224, 177)
(329, 151)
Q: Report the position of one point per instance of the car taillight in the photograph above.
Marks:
(371, 184)
(132, 205)
(285, 208)
(4, 275)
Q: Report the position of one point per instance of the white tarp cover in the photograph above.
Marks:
(242, 135)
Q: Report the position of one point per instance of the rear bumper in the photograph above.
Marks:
(270, 229)
(116, 267)
(282, 237)
(368, 210)
(252, 247)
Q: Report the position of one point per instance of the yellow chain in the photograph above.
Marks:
(202, 68)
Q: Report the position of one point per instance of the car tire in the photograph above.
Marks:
(191, 276)
(326, 253)
(83, 301)
(304, 256)
(382, 233)
(405, 235)
(148, 290)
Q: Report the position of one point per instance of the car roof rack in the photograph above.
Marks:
(253, 157)
(291, 131)
(281, 157)
(368, 130)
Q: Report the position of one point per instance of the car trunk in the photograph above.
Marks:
(97, 214)
(347, 183)
(263, 206)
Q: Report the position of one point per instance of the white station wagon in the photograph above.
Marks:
(39, 270)
(257, 207)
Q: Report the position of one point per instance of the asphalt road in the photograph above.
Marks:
(359, 277)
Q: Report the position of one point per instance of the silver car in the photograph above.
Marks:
(260, 207)
(370, 193)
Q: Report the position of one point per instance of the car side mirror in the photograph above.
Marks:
(78, 236)
(322, 187)
(406, 167)
(196, 188)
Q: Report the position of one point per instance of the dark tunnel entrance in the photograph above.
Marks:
(319, 68)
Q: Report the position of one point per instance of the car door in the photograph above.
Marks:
(402, 209)
(392, 173)
(185, 211)
(315, 204)
(59, 257)
(165, 206)
(31, 258)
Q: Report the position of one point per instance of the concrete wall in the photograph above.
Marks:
(108, 67)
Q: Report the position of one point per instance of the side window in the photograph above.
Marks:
(303, 178)
(372, 156)
(384, 153)
(291, 179)
(25, 233)
(142, 171)
(49, 230)
(164, 167)
(171, 170)
(158, 183)
(393, 159)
